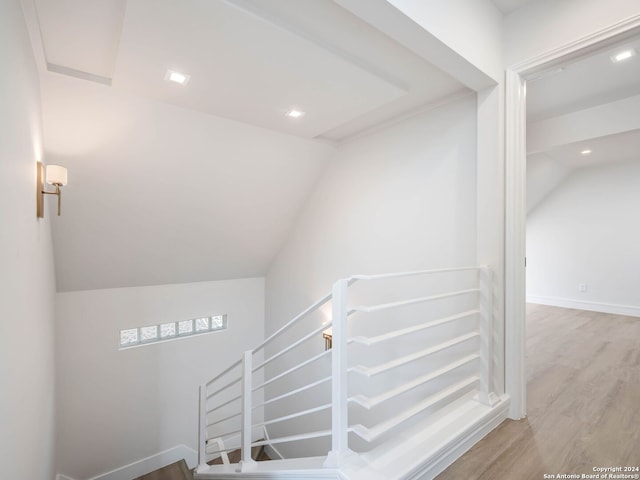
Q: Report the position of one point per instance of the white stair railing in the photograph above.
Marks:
(232, 404)
(339, 377)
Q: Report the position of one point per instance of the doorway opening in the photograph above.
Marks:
(519, 79)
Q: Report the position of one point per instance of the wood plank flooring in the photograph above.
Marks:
(583, 401)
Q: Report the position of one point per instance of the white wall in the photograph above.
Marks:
(544, 174)
(118, 406)
(544, 25)
(26, 266)
(587, 231)
(400, 199)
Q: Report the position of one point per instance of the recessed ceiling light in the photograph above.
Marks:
(585, 152)
(177, 77)
(293, 113)
(624, 55)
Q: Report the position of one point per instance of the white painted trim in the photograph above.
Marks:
(515, 212)
(454, 449)
(420, 110)
(582, 46)
(616, 309)
(151, 463)
(295, 468)
(515, 225)
(72, 72)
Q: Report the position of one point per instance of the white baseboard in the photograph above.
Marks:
(630, 310)
(452, 451)
(148, 464)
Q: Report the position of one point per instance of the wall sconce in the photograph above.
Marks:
(56, 176)
(328, 338)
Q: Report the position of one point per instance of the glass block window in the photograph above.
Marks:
(128, 337)
(185, 327)
(202, 324)
(149, 334)
(219, 321)
(167, 331)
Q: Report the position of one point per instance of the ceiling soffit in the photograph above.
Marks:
(80, 37)
(243, 68)
(249, 61)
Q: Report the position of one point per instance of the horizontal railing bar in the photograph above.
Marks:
(371, 371)
(293, 392)
(233, 382)
(412, 273)
(294, 415)
(372, 434)
(223, 434)
(293, 369)
(209, 452)
(224, 419)
(231, 367)
(223, 404)
(308, 310)
(293, 438)
(292, 346)
(405, 331)
(370, 402)
(402, 303)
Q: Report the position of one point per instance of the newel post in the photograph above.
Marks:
(246, 462)
(202, 430)
(339, 380)
(486, 394)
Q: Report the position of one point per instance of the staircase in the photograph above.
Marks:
(174, 471)
(404, 390)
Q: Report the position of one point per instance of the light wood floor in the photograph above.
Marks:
(583, 401)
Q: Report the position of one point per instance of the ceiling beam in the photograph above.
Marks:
(607, 119)
(414, 35)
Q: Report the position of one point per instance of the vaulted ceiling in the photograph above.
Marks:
(171, 183)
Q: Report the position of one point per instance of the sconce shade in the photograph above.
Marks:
(56, 175)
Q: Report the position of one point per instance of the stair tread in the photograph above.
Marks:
(175, 471)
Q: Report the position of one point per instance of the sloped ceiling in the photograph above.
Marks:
(587, 82)
(171, 184)
(160, 194)
(590, 104)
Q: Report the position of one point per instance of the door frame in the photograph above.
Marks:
(515, 194)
